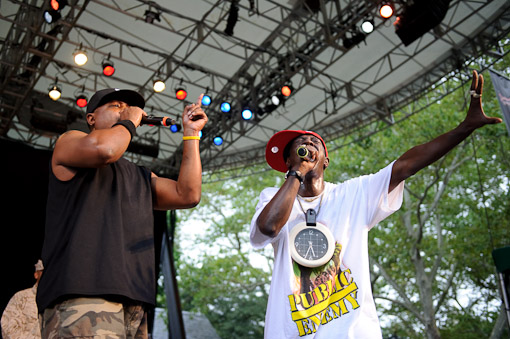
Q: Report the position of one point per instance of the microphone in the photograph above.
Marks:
(302, 151)
(156, 121)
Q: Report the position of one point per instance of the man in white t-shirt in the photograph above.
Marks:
(320, 287)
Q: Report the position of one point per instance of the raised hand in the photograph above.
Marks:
(193, 117)
(476, 117)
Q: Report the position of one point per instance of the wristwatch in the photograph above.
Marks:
(297, 174)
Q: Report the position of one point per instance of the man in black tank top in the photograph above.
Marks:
(98, 249)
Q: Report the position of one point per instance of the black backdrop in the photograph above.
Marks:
(24, 186)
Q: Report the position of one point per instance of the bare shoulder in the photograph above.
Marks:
(72, 134)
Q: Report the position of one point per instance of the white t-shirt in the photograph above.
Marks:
(334, 300)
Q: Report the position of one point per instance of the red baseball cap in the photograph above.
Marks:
(278, 142)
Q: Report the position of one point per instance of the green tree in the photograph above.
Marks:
(221, 282)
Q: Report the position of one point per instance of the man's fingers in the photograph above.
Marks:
(199, 101)
(479, 88)
(474, 83)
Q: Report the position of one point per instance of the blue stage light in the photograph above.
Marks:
(225, 107)
(175, 128)
(218, 141)
(206, 100)
(247, 114)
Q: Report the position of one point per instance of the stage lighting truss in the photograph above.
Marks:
(54, 91)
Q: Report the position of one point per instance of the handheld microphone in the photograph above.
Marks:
(302, 151)
(157, 121)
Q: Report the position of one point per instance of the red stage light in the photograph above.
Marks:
(108, 69)
(81, 101)
(57, 5)
(181, 94)
(386, 10)
(286, 90)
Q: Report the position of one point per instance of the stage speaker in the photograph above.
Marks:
(418, 18)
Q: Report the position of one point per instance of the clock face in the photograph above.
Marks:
(311, 244)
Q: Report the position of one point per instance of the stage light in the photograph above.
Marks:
(275, 100)
(232, 18)
(50, 16)
(180, 93)
(200, 134)
(286, 90)
(386, 10)
(367, 26)
(247, 114)
(57, 5)
(81, 100)
(53, 14)
(150, 16)
(54, 91)
(175, 128)
(159, 86)
(218, 141)
(206, 100)
(108, 68)
(356, 38)
(225, 107)
(418, 18)
(80, 56)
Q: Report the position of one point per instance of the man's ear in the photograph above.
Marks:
(91, 119)
(326, 162)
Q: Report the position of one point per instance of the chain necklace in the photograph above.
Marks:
(310, 199)
(310, 214)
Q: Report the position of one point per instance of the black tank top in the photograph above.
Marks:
(99, 235)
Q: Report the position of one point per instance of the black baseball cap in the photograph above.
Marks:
(103, 96)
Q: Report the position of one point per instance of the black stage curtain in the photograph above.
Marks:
(24, 191)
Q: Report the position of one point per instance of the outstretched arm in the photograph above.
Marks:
(187, 190)
(423, 155)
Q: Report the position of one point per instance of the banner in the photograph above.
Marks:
(502, 88)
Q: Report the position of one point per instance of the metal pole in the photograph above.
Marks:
(174, 312)
(504, 295)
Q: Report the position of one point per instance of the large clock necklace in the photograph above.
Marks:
(311, 243)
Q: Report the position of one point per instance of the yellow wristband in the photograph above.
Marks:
(191, 137)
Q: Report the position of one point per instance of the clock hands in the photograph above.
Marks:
(310, 247)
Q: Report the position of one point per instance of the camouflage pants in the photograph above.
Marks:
(93, 318)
